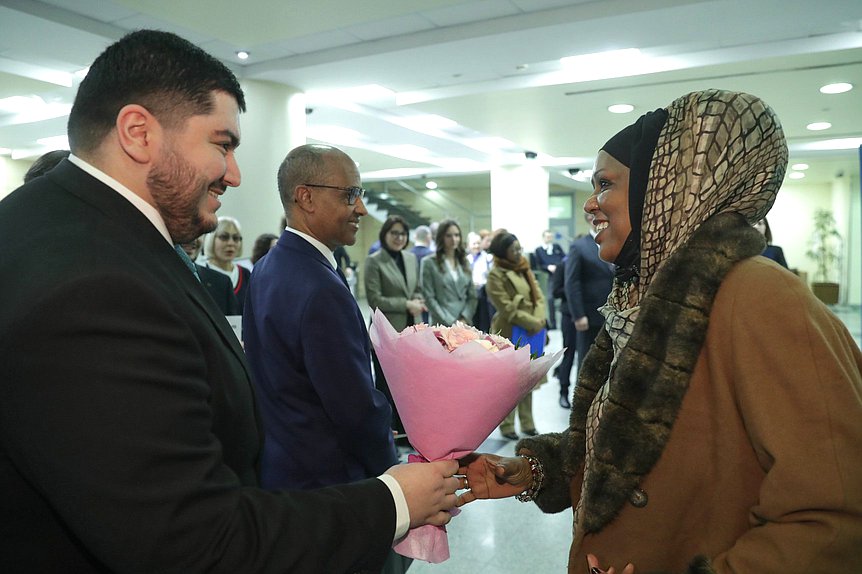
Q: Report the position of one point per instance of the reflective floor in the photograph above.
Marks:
(510, 536)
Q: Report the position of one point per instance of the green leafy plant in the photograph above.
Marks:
(825, 246)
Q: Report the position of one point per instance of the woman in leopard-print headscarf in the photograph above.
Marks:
(715, 426)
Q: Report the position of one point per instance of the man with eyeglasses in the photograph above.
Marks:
(305, 336)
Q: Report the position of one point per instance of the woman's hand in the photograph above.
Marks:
(593, 563)
(415, 306)
(493, 476)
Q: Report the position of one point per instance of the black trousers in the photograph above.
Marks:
(564, 371)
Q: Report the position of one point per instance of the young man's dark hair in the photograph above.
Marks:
(170, 76)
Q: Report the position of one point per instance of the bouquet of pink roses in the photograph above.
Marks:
(453, 386)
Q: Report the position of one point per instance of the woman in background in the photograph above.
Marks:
(447, 280)
(391, 285)
(773, 252)
(514, 292)
(262, 245)
(221, 248)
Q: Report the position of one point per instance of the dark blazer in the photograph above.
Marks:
(543, 259)
(240, 291)
(128, 434)
(306, 341)
(588, 280)
(220, 288)
(387, 289)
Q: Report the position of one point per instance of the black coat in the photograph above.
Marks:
(128, 433)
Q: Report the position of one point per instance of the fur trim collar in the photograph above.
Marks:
(652, 374)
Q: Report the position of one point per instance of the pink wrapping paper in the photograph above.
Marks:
(449, 402)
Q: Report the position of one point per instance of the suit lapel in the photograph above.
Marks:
(410, 268)
(129, 221)
(391, 269)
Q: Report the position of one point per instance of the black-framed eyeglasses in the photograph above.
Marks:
(352, 192)
(237, 238)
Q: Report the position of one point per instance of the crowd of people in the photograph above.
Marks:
(138, 434)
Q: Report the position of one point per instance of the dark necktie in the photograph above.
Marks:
(185, 258)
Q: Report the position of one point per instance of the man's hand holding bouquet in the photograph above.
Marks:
(453, 386)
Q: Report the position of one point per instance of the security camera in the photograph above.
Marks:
(309, 111)
(574, 171)
(530, 154)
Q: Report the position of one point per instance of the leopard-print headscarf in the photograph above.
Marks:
(717, 152)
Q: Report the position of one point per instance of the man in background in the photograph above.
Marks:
(588, 282)
(548, 257)
(128, 433)
(324, 421)
(421, 242)
(306, 339)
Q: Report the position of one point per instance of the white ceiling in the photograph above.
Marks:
(491, 66)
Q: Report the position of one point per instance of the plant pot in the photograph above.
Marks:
(826, 292)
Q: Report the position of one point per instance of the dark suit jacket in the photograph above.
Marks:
(588, 280)
(306, 341)
(543, 259)
(128, 434)
(219, 287)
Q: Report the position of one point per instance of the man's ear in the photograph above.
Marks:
(302, 198)
(139, 133)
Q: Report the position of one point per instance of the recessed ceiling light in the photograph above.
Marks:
(796, 175)
(838, 88)
(831, 145)
(620, 108)
(799, 166)
(430, 185)
(819, 126)
(242, 55)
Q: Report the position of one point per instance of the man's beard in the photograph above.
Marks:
(179, 195)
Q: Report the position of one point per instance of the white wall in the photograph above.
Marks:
(790, 221)
(12, 174)
(273, 125)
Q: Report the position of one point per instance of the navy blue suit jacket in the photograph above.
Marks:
(588, 280)
(543, 259)
(305, 338)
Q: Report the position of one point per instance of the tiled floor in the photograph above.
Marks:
(509, 536)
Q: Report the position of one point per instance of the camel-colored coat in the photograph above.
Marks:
(509, 292)
(760, 470)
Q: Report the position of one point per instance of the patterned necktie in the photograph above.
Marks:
(185, 258)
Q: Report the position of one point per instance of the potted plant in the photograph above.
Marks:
(825, 249)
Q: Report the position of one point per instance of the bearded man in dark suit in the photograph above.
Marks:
(128, 434)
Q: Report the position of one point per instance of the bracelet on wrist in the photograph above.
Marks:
(538, 473)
